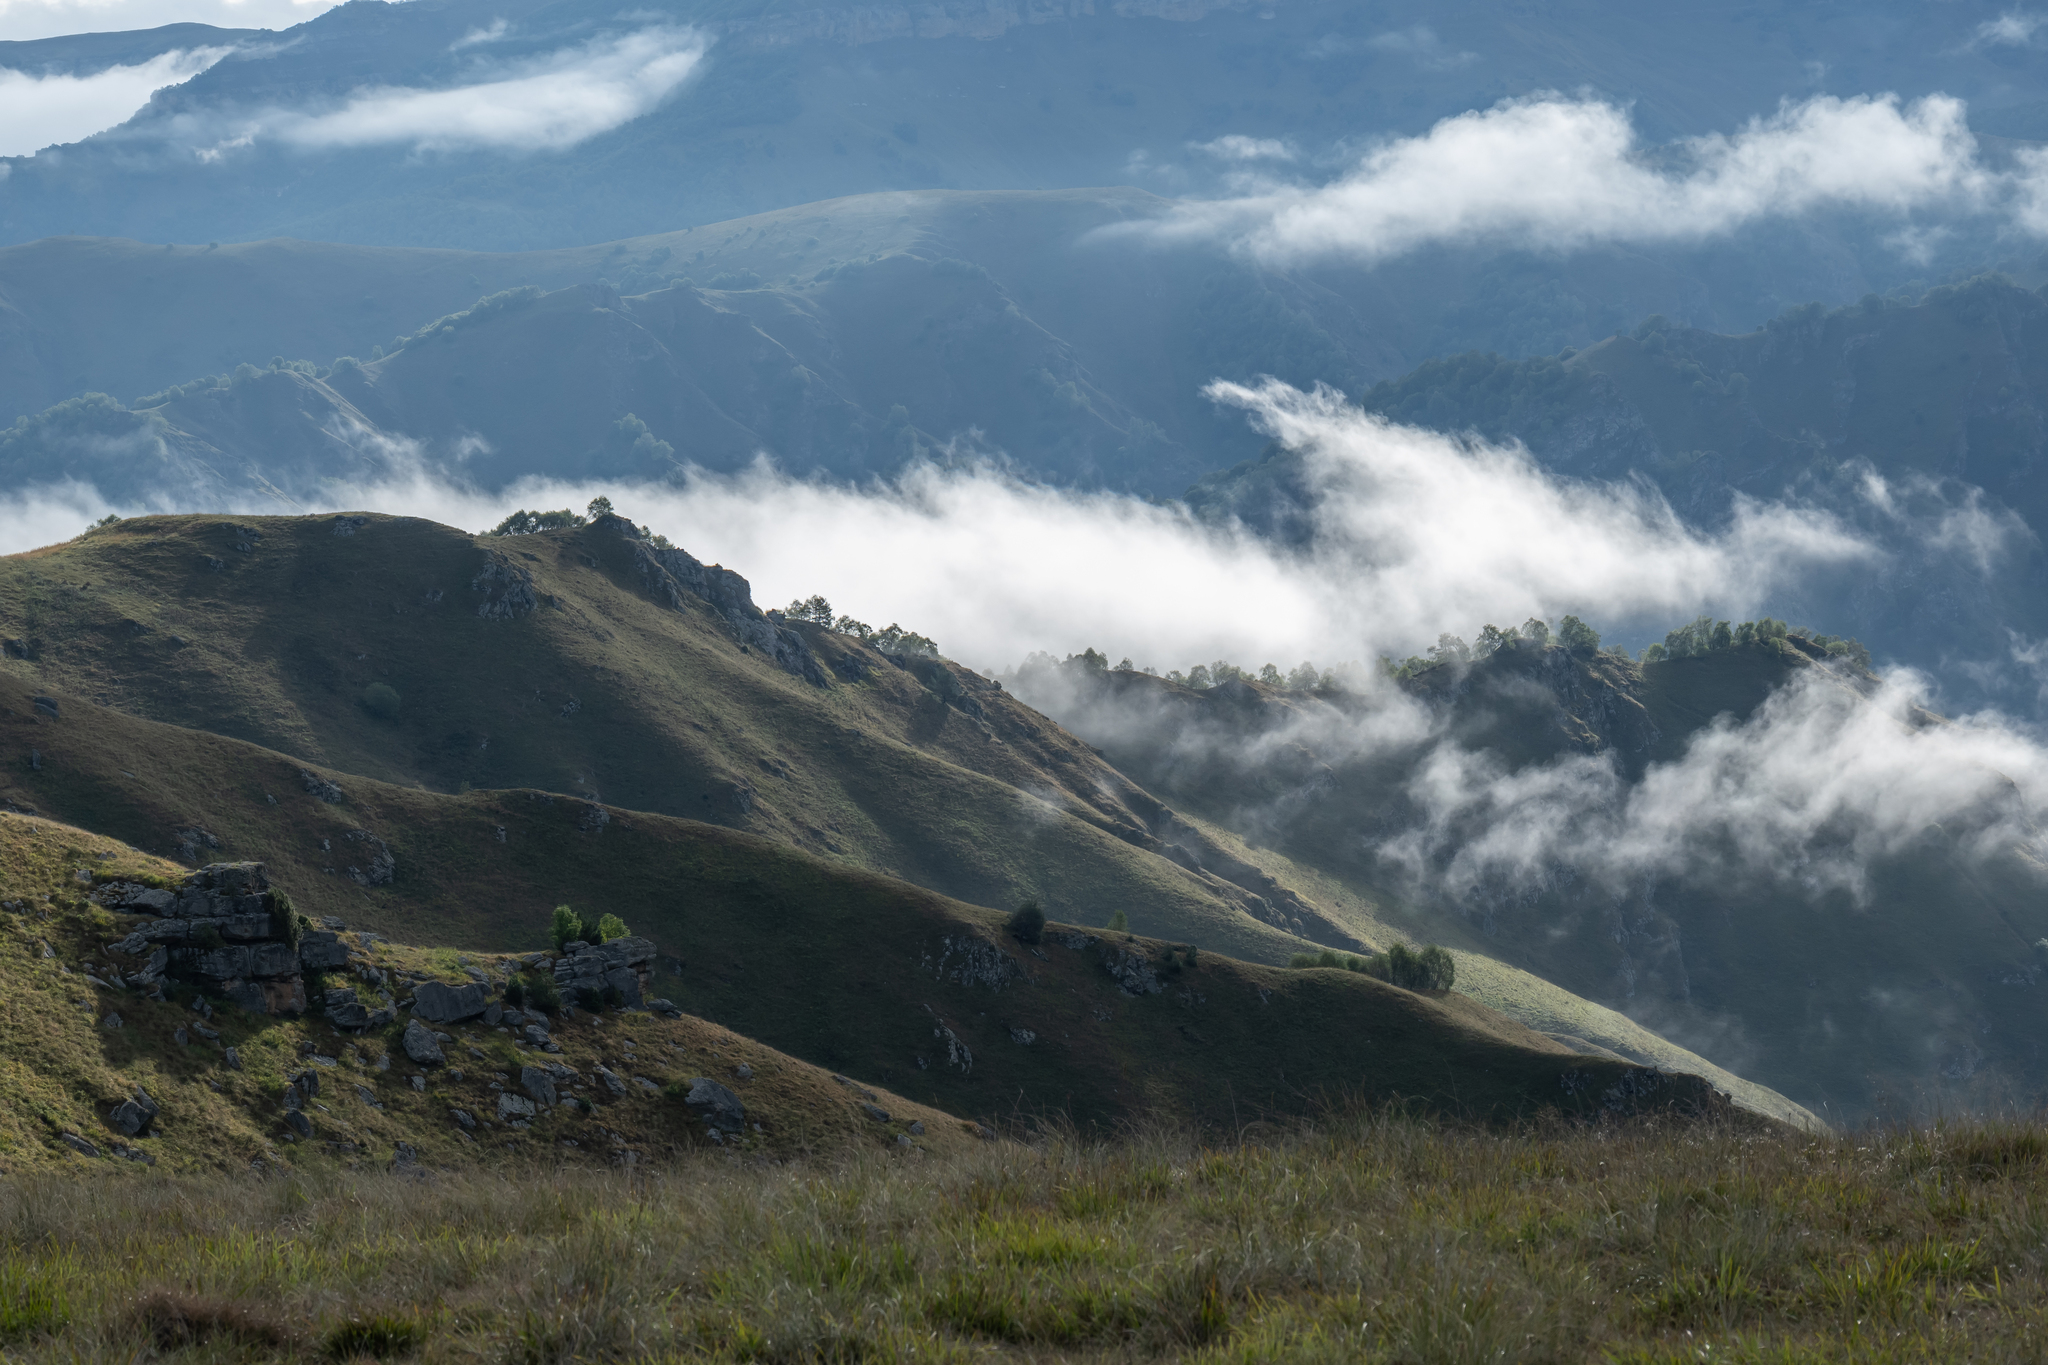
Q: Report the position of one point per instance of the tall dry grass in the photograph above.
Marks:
(1369, 1237)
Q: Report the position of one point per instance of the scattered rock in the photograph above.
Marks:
(112, 1023)
(875, 1112)
(420, 1045)
(233, 1059)
(78, 1144)
(744, 1072)
(610, 1078)
(463, 1118)
(382, 865)
(902, 1140)
(419, 1083)
(348, 526)
(298, 1123)
(507, 589)
(720, 1109)
(917, 1127)
(511, 1106)
(1023, 1035)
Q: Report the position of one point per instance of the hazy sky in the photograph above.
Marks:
(20, 19)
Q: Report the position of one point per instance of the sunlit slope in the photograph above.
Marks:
(871, 977)
(603, 688)
(64, 1064)
(1919, 994)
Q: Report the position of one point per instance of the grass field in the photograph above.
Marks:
(1355, 1237)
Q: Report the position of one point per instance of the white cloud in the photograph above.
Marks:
(544, 103)
(38, 111)
(2016, 29)
(1815, 786)
(1237, 147)
(1563, 173)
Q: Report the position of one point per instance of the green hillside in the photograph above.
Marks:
(888, 984)
(1919, 998)
(907, 767)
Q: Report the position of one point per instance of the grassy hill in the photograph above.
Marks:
(1918, 999)
(917, 769)
(891, 985)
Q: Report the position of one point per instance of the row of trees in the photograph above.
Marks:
(1572, 633)
(1704, 635)
(890, 639)
(1427, 969)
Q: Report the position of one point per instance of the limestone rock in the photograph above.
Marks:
(538, 1083)
(463, 1119)
(611, 1079)
(620, 965)
(298, 1123)
(511, 1106)
(78, 1144)
(420, 1044)
(1132, 971)
(322, 951)
(874, 1111)
(440, 1003)
(720, 1109)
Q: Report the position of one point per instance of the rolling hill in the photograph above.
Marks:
(170, 651)
(804, 960)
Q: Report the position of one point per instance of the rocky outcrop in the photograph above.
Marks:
(507, 590)
(669, 573)
(970, 960)
(224, 928)
(622, 965)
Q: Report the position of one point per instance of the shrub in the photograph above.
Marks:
(380, 1337)
(541, 993)
(609, 928)
(381, 701)
(566, 927)
(515, 991)
(1119, 923)
(1027, 922)
(1427, 969)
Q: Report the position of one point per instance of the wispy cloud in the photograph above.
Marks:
(1237, 147)
(544, 103)
(38, 111)
(489, 33)
(1563, 173)
(2014, 29)
(1420, 44)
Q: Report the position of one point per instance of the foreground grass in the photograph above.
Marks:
(1370, 1238)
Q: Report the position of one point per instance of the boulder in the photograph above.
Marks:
(611, 1079)
(511, 1106)
(539, 1084)
(78, 1144)
(420, 1044)
(720, 1109)
(620, 964)
(344, 1010)
(463, 1118)
(440, 1003)
(298, 1123)
(132, 1116)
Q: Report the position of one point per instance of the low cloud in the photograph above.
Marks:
(38, 111)
(1565, 173)
(545, 103)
